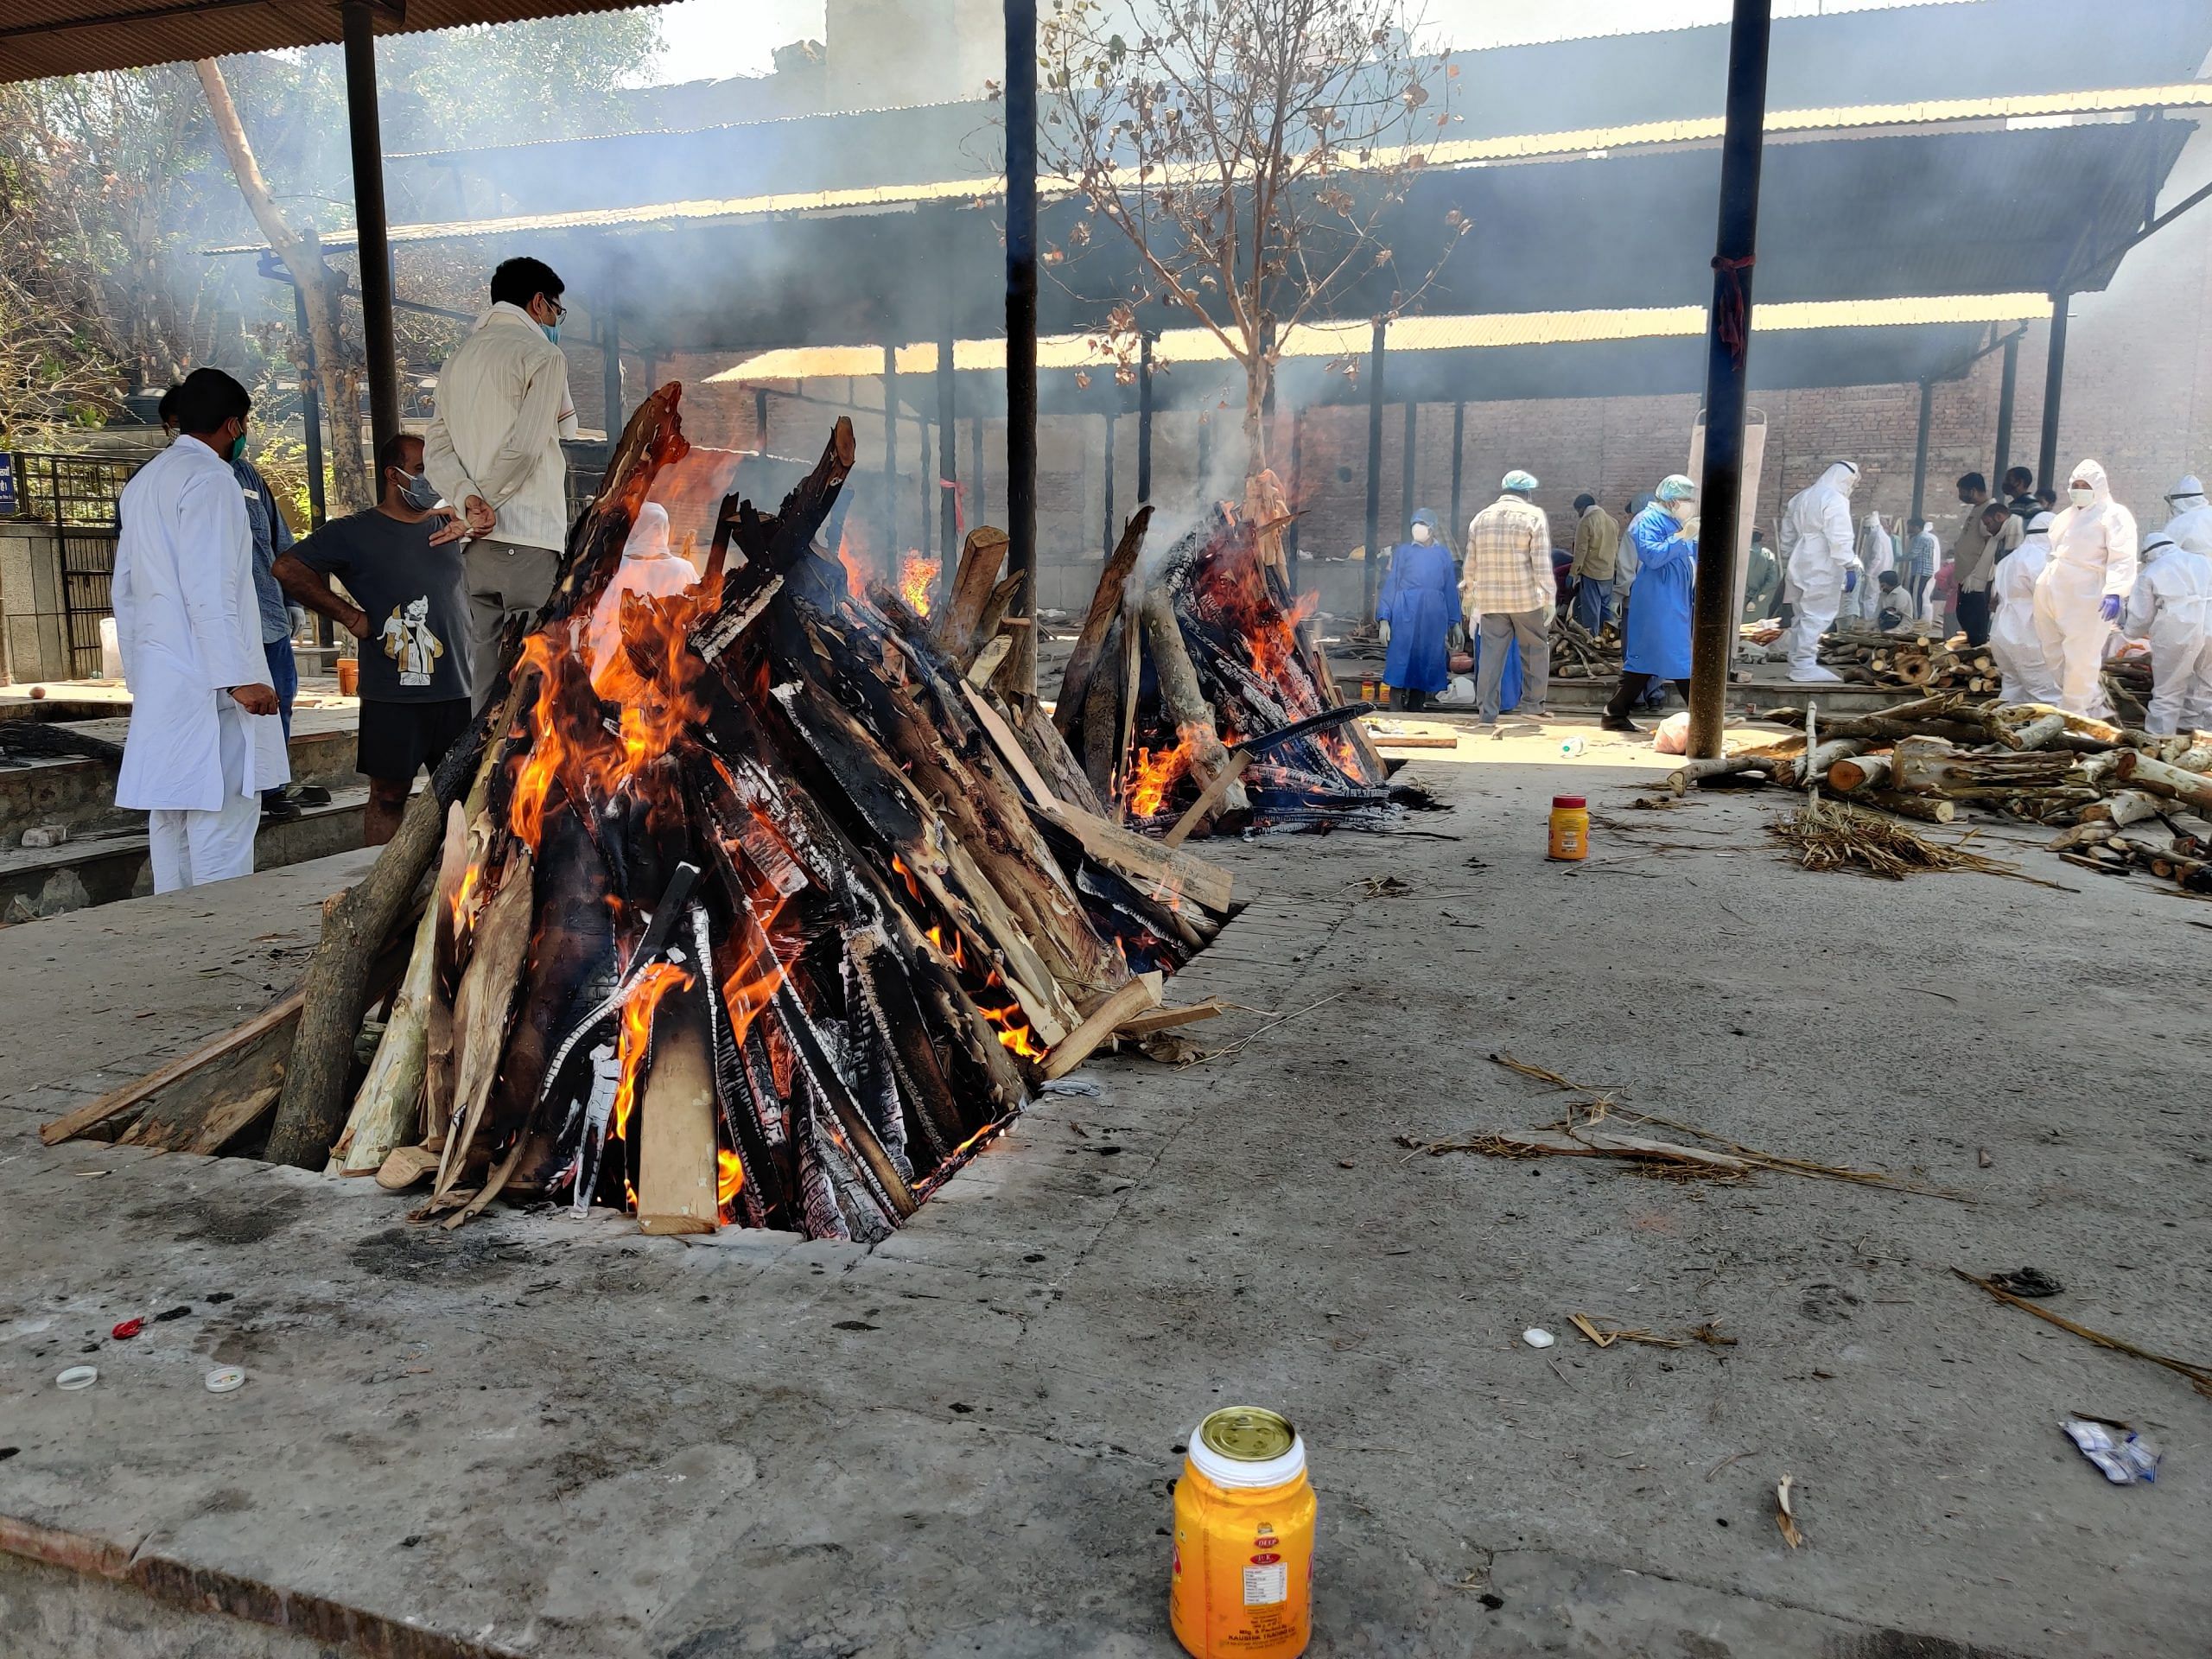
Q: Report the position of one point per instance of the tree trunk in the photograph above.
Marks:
(336, 374)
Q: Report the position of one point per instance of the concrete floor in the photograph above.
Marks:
(542, 1437)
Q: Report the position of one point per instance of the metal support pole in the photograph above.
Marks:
(760, 420)
(1106, 529)
(1297, 496)
(2054, 385)
(1021, 325)
(928, 528)
(1920, 450)
(610, 351)
(1406, 487)
(1144, 419)
(1372, 553)
(311, 417)
(947, 482)
(1458, 526)
(1712, 623)
(2006, 388)
(357, 18)
(891, 461)
(975, 468)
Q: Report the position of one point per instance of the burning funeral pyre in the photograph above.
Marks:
(768, 918)
(1194, 695)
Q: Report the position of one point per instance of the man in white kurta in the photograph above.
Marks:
(204, 739)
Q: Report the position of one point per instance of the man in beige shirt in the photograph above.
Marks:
(1597, 557)
(1507, 583)
(1986, 536)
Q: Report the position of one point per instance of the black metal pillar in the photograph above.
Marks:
(1297, 497)
(1406, 485)
(891, 461)
(311, 418)
(1021, 321)
(2005, 389)
(947, 482)
(1713, 622)
(610, 349)
(2054, 385)
(358, 20)
(975, 469)
(1144, 419)
(1373, 551)
(1106, 529)
(928, 531)
(760, 420)
(1920, 450)
(1458, 525)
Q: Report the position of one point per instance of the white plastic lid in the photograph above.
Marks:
(78, 1376)
(1235, 1446)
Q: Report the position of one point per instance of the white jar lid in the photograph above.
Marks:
(1247, 1447)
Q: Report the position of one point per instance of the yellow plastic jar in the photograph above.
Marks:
(1242, 1580)
(1570, 827)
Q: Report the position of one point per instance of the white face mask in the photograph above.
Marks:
(2081, 495)
(1680, 508)
(1421, 532)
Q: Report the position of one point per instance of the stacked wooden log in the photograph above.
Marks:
(2121, 799)
(1198, 703)
(769, 920)
(1578, 654)
(1866, 656)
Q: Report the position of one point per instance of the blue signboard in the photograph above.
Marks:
(7, 485)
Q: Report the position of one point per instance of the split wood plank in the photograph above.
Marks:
(1137, 994)
(676, 1147)
(1004, 740)
(134, 1095)
(1170, 875)
(989, 658)
(1152, 1020)
(489, 988)
(1210, 799)
(1106, 603)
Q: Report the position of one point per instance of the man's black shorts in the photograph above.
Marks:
(398, 737)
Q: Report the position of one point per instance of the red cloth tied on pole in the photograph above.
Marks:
(1734, 321)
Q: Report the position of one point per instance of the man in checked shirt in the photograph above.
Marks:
(1507, 581)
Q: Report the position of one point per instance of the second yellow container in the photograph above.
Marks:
(1243, 1577)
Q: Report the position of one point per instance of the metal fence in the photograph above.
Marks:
(79, 495)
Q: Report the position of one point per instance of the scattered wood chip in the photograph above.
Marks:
(1784, 1517)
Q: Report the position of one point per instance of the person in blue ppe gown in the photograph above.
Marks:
(1417, 611)
(1658, 636)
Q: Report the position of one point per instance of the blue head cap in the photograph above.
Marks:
(1523, 483)
(1423, 516)
(1676, 487)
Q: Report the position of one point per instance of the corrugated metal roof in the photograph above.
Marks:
(39, 38)
(1335, 340)
(1596, 142)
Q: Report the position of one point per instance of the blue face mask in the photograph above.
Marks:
(552, 331)
(418, 491)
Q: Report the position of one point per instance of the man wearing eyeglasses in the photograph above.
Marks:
(493, 449)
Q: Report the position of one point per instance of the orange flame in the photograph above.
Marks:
(729, 1181)
(1152, 776)
(656, 982)
(1014, 1033)
(471, 877)
(855, 569)
(654, 679)
(915, 573)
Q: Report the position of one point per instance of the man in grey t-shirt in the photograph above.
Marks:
(410, 610)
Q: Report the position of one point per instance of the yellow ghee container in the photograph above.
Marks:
(1242, 1579)
(1570, 827)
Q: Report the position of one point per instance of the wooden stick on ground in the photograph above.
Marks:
(1139, 994)
(1210, 799)
(133, 1096)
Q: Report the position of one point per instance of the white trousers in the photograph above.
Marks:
(1815, 607)
(190, 849)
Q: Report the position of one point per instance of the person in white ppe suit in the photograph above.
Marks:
(2013, 639)
(1877, 553)
(649, 568)
(2171, 607)
(1818, 567)
(2093, 567)
(205, 739)
(2191, 527)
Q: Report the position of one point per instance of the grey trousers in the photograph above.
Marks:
(504, 578)
(1533, 630)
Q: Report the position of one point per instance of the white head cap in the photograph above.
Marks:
(2190, 486)
(2040, 524)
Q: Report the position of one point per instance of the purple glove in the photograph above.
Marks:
(1850, 580)
(2110, 609)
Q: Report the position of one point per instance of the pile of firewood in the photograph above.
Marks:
(1578, 654)
(1864, 655)
(1198, 703)
(2121, 799)
(769, 920)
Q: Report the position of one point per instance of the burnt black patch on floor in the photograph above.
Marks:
(227, 1218)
